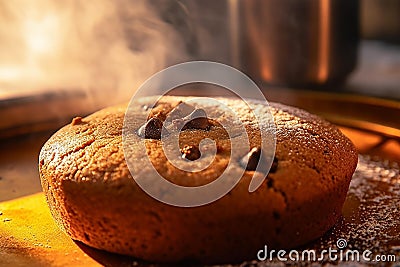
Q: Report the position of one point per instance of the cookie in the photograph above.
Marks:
(94, 198)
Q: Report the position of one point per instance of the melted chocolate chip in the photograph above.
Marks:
(177, 124)
(151, 129)
(190, 152)
(197, 120)
(274, 166)
(253, 157)
(181, 110)
(270, 182)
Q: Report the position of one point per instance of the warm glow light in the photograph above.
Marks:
(324, 41)
(41, 34)
(10, 73)
(37, 33)
(95, 46)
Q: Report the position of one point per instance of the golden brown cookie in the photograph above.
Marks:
(94, 198)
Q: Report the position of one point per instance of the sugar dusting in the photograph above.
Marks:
(370, 219)
(375, 223)
(371, 216)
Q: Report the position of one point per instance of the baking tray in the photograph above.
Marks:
(371, 214)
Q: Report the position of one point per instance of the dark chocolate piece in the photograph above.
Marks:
(181, 110)
(197, 120)
(274, 166)
(190, 152)
(253, 157)
(151, 129)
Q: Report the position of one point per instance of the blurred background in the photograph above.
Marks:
(97, 53)
(63, 58)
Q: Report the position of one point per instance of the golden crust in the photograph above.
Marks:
(93, 197)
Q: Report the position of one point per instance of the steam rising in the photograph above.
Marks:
(107, 48)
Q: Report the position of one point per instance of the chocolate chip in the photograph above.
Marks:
(177, 124)
(151, 129)
(270, 183)
(197, 120)
(190, 152)
(181, 110)
(185, 116)
(253, 157)
(274, 166)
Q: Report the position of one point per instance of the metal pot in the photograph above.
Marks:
(298, 42)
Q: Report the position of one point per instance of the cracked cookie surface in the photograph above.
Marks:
(94, 199)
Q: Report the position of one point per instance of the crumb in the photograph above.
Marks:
(76, 120)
